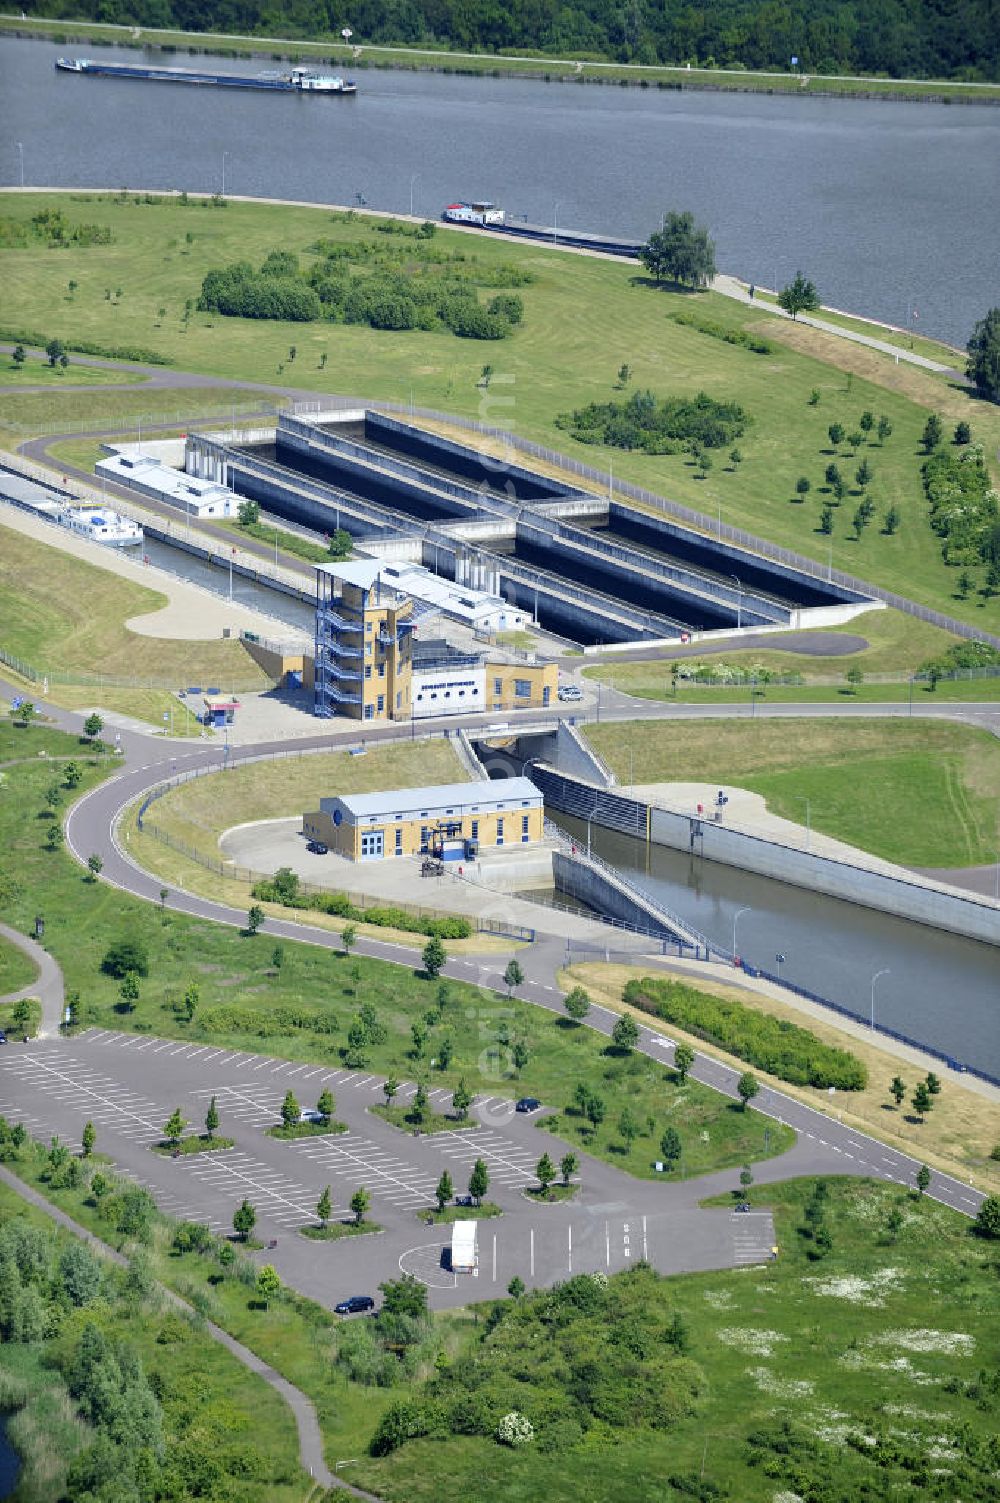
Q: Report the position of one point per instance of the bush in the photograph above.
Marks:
(515, 1430)
(280, 890)
(772, 1044)
(126, 955)
(667, 427)
(715, 330)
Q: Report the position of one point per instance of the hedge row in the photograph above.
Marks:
(136, 352)
(781, 1048)
(232, 1018)
(340, 906)
(715, 330)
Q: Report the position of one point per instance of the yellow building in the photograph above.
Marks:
(452, 821)
(363, 664)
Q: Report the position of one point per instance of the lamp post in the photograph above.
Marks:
(414, 177)
(739, 602)
(224, 156)
(555, 220)
(232, 551)
(20, 153)
(736, 918)
(883, 972)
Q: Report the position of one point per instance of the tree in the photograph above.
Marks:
(963, 433)
(93, 726)
(964, 584)
(577, 1004)
(736, 458)
(55, 351)
(324, 1206)
(173, 1128)
(418, 1033)
(595, 1110)
(567, 1167)
(922, 1100)
(291, 1112)
(516, 1287)
(897, 1089)
(866, 422)
(446, 1049)
(680, 251)
(360, 1204)
(341, 544)
(519, 1055)
(987, 1222)
(326, 1106)
(932, 434)
(625, 1034)
(826, 519)
(19, 356)
(746, 1178)
(444, 1191)
(628, 1127)
(855, 439)
(983, 367)
(348, 938)
(72, 773)
(433, 957)
(190, 1000)
(800, 296)
(461, 1100)
(747, 1087)
(390, 1087)
(94, 866)
(129, 990)
(855, 678)
(479, 1181)
(864, 474)
(803, 486)
(860, 519)
(545, 1171)
(485, 376)
(891, 520)
(24, 714)
(255, 917)
(248, 513)
(894, 1223)
(513, 976)
(933, 1083)
(211, 1119)
(923, 1179)
(624, 375)
(268, 1284)
(683, 1060)
(670, 1146)
(54, 796)
(405, 1296)
(54, 837)
(244, 1220)
(836, 435)
(884, 429)
(89, 1139)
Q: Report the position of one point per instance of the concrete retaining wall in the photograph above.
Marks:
(585, 882)
(971, 917)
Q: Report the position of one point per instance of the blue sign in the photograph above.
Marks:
(17, 701)
(338, 816)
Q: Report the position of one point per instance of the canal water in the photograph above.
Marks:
(938, 988)
(891, 208)
(215, 577)
(10, 1462)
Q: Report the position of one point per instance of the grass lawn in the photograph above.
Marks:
(333, 1231)
(16, 970)
(584, 317)
(65, 616)
(306, 1130)
(196, 1144)
(429, 1122)
(485, 1211)
(554, 1195)
(901, 339)
(884, 1337)
(75, 410)
(949, 773)
(288, 542)
(38, 372)
(200, 811)
(958, 1136)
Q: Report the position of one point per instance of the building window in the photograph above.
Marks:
(381, 704)
(368, 670)
(425, 836)
(525, 831)
(399, 698)
(369, 712)
(368, 649)
(381, 670)
(399, 840)
(499, 832)
(368, 626)
(498, 687)
(475, 829)
(372, 844)
(522, 688)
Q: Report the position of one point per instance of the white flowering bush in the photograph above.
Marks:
(600, 1279)
(515, 1429)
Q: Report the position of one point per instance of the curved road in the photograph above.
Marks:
(91, 826)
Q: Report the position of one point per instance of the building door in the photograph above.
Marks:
(372, 845)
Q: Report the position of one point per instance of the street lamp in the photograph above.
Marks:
(739, 601)
(736, 918)
(884, 972)
(224, 156)
(20, 152)
(414, 178)
(555, 220)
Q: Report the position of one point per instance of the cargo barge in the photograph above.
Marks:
(298, 81)
(484, 215)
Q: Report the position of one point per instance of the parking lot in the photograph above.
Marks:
(128, 1085)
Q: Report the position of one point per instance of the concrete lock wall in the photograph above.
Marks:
(855, 884)
(588, 884)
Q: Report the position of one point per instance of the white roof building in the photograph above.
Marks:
(188, 493)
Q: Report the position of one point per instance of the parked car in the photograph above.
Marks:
(570, 691)
(528, 1104)
(358, 1304)
(309, 1115)
(3, 1037)
(318, 848)
(463, 1200)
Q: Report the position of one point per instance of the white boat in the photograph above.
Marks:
(480, 211)
(103, 526)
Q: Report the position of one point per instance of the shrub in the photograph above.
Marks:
(772, 1044)
(126, 955)
(449, 926)
(740, 337)
(667, 427)
(515, 1430)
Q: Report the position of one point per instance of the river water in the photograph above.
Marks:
(889, 207)
(940, 989)
(10, 1462)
